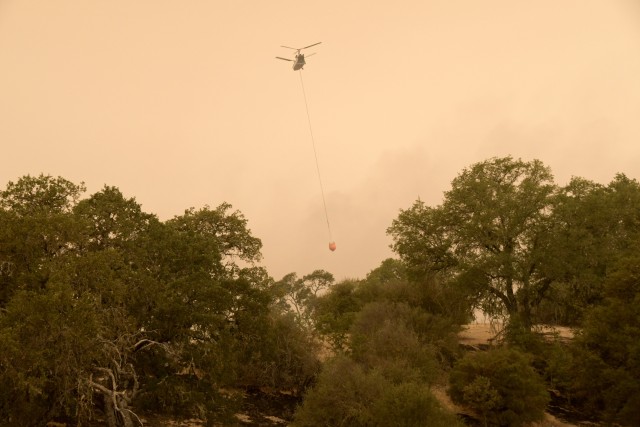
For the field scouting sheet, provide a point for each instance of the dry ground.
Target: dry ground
(486, 333)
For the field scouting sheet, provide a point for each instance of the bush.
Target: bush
(341, 396)
(410, 404)
(347, 394)
(393, 338)
(337, 309)
(281, 356)
(501, 386)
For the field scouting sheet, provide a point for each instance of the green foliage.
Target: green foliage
(104, 309)
(604, 378)
(338, 308)
(517, 335)
(410, 404)
(42, 195)
(518, 245)
(348, 394)
(390, 271)
(482, 396)
(45, 355)
(111, 220)
(395, 338)
(36, 228)
(486, 235)
(501, 386)
(300, 295)
(280, 355)
(400, 341)
(228, 230)
(335, 313)
(390, 338)
(593, 226)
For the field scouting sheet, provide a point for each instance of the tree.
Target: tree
(47, 348)
(36, 227)
(228, 231)
(337, 309)
(104, 309)
(335, 312)
(111, 220)
(593, 226)
(486, 237)
(604, 376)
(390, 270)
(43, 194)
(300, 295)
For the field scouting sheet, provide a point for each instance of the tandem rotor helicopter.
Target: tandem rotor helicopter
(298, 62)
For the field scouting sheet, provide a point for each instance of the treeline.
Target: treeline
(108, 313)
(508, 240)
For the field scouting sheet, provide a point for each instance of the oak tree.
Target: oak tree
(487, 236)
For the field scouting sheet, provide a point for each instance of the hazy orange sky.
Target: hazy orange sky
(182, 103)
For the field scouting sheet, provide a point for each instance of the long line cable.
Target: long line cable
(313, 144)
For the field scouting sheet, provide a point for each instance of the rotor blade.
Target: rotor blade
(285, 59)
(294, 48)
(311, 54)
(310, 45)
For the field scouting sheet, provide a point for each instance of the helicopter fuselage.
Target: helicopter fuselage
(299, 62)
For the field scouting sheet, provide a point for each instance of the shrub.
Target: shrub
(501, 386)
(410, 404)
(348, 394)
(341, 397)
(393, 338)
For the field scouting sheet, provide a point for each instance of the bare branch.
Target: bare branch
(110, 373)
(106, 393)
(145, 342)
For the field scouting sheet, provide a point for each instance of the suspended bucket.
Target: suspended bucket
(332, 246)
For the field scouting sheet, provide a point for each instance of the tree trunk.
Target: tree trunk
(115, 417)
(110, 412)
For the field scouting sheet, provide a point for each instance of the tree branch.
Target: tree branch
(502, 296)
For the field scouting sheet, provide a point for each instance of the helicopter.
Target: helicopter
(298, 62)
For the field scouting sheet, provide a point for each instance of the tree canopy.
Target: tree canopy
(487, 235)
(106, 311)
(514, 240)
